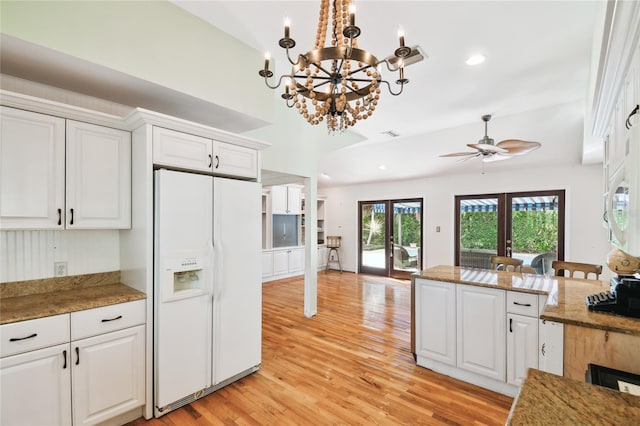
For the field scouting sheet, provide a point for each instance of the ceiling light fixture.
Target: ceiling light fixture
(341, 81)
(475, 60)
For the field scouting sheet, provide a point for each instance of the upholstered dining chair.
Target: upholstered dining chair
(505, 263)
(560, 266)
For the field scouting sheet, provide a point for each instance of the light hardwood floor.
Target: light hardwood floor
(350, 364)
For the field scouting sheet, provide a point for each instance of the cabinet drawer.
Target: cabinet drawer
(24, 336)
(107, 318)
(522, 303)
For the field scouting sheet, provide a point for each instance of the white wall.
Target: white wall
(585, 241)
(30, 255)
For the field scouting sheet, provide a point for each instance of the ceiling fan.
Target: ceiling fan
(489, 151)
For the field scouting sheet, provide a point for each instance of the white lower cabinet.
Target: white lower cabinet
(486, 336)
(107, 375)
(267, 264)
(287, 262)
(322, 257)
(522, 347)
(551, 347)
(83, 381)
(481, 330)
(437, 302)
(36, 387)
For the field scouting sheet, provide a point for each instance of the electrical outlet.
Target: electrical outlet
(60, 269)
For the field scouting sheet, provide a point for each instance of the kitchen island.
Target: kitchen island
(489, 327)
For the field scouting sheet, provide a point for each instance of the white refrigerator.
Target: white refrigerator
(207, 285)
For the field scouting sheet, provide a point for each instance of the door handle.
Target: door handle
(210, 161)
(77, 355)
(217, 161)
(59, 217)
(64, 354)
(71, 222)
(522, 304)
(510, 325)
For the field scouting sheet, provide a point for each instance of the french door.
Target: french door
(523, 225)
(390, 237)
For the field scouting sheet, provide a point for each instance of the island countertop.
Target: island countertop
(20, 301)
(565, 296)
(552, 400)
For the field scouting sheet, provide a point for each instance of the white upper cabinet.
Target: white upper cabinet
(98, 177)
(40, 190)
(182, 150)
(189, 152)
(31, 170)
(234, 160)
(286, 199)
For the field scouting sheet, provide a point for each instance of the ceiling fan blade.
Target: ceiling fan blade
(469, 157)
(495, 157)
(459, 154)
(518, 147)
(486, 147)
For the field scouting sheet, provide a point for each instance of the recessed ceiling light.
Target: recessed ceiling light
(475, 59)
(324, 175)
(382, 167)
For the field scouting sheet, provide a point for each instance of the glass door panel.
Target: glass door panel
(407, 238)
(478, 230)
(534, 233)
(373, 238)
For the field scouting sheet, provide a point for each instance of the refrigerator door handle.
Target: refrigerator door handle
(219, 283)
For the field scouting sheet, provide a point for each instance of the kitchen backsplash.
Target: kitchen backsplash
(29, 255)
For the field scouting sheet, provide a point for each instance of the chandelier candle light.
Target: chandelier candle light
(341, 81)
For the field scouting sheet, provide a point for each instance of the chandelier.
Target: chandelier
(337, 83)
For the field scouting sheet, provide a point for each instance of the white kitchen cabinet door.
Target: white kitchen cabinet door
(181, 150)
(234, 160)
(98, 170)
(435, 310)
(279, 200)
(551, 347)
(296, 260)
(481, 315)
(286, 199)
(32, 175)
(36, 388)
(108, 375)
(522, 347)
(322, 257)
(280, 262)
(294, 200)
(267, 264)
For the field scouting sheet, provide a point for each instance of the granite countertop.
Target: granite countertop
(565, 296)
(547, 399)
(25, 300)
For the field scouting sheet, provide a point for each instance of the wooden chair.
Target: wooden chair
(528, 270)
(333, 244)
(572, 267)
(508, 263)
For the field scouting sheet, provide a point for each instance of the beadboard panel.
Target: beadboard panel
(29, 255)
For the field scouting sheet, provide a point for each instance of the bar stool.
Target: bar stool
(333, 244)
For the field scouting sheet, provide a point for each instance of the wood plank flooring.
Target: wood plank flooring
(351, 364)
